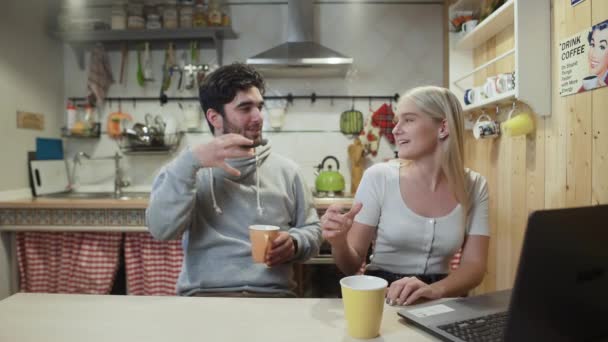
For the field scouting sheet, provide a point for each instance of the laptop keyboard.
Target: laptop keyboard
(485, 328)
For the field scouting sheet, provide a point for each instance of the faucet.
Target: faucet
(119, 182)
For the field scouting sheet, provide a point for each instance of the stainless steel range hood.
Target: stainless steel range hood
(300, 56)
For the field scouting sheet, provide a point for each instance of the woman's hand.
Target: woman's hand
(336, 225)
(408, 290)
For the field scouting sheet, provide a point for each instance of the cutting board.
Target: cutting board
(49, 176)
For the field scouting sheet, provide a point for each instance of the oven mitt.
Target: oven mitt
(383, 119)
(370, 137)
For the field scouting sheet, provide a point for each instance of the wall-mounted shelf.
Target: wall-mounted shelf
(489, 27)
(503, 98)
(531, 21)
(210, 37)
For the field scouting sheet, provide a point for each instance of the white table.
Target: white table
(53, 317)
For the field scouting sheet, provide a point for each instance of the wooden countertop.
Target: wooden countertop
(110, 203)
(29, 317)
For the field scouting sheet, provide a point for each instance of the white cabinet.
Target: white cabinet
(530, 21)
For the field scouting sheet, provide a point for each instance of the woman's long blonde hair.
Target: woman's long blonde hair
(440, 103)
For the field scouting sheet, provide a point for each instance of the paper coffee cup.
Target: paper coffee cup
(261, 237)
(363, 298)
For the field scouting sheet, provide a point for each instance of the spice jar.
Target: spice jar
(186, 12)
(199, 17)
(170, 15)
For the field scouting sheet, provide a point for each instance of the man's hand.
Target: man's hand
(336, 225)
(281, 250)
(215, 152)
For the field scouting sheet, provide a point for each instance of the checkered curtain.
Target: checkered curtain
(67, 262)
(152, 266)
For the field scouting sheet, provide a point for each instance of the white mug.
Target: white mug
(470, 96)
(490, 87)
(591, 82)
(485, 129)
(469, 25)
(505, 82)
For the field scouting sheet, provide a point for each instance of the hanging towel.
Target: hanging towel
(370, 137)
(152, 266)
(67, 262)
(383, 119)
(100, 75)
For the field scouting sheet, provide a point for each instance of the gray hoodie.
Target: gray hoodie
(214, 210)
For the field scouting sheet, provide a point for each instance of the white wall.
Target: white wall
(395, 47)
(31, 67)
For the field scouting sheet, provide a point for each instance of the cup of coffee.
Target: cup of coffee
(363, 298)
(485, 127)
(261, 237)
(591, 82)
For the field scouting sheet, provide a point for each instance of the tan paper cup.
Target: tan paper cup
(261, 237)
(363, 298)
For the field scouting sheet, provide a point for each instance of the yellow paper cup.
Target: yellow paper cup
(363, 298)
(518, 125)
(261, 237)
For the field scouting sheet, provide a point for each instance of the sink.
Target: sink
(127, 195)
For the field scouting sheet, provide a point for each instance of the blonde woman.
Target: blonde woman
(422, 210)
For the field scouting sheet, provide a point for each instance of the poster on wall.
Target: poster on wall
(583, 60)
(576, 2)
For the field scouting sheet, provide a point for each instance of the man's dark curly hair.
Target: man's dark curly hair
(220, 87)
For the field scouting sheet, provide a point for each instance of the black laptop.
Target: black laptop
(560, 292)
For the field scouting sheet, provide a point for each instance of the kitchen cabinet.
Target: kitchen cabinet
(48, 224)
(530, 25)
(209, 37)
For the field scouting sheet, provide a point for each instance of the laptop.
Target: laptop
(560, 292)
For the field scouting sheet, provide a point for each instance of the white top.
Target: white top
(38, 317)
(406, 242)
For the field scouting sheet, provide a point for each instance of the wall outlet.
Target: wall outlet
(30, 120)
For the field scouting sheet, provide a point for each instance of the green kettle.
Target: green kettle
(329, 180)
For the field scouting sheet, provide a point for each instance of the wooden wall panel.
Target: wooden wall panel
(563, 164)
(599, 156)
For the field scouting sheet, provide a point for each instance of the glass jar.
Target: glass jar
(186, 11)
(119, 18)
(153, 22)
(214, 15)
(170, 15)
(135, 16)
(199, 17)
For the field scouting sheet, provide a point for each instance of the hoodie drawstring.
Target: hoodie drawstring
(217, 208)
(257, 186)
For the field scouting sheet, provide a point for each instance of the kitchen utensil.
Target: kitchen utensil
(329, 180)
(49, 176)
(148, 76)
(351, 121)
(140, 71)
(123, 60)
(49, 149)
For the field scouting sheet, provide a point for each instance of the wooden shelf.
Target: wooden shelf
(211, 37)
(493, 24)
(500, 99)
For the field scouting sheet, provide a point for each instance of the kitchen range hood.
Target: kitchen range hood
(300, 56)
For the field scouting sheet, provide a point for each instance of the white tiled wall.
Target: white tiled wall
(395, 47)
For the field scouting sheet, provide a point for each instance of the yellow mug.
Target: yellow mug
(520, 124)
(363, 298)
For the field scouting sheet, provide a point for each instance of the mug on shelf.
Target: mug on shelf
(505, 82)
(490, 87)
(469, 26)
(470, 96)
(485, 129)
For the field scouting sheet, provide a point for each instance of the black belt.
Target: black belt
(391, 277)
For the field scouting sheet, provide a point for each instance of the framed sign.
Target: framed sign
(583, 60)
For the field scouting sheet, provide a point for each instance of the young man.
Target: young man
(213, 192)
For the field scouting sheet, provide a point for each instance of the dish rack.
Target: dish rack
(159, 144)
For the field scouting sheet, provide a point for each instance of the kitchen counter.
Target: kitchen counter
(29, 317)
